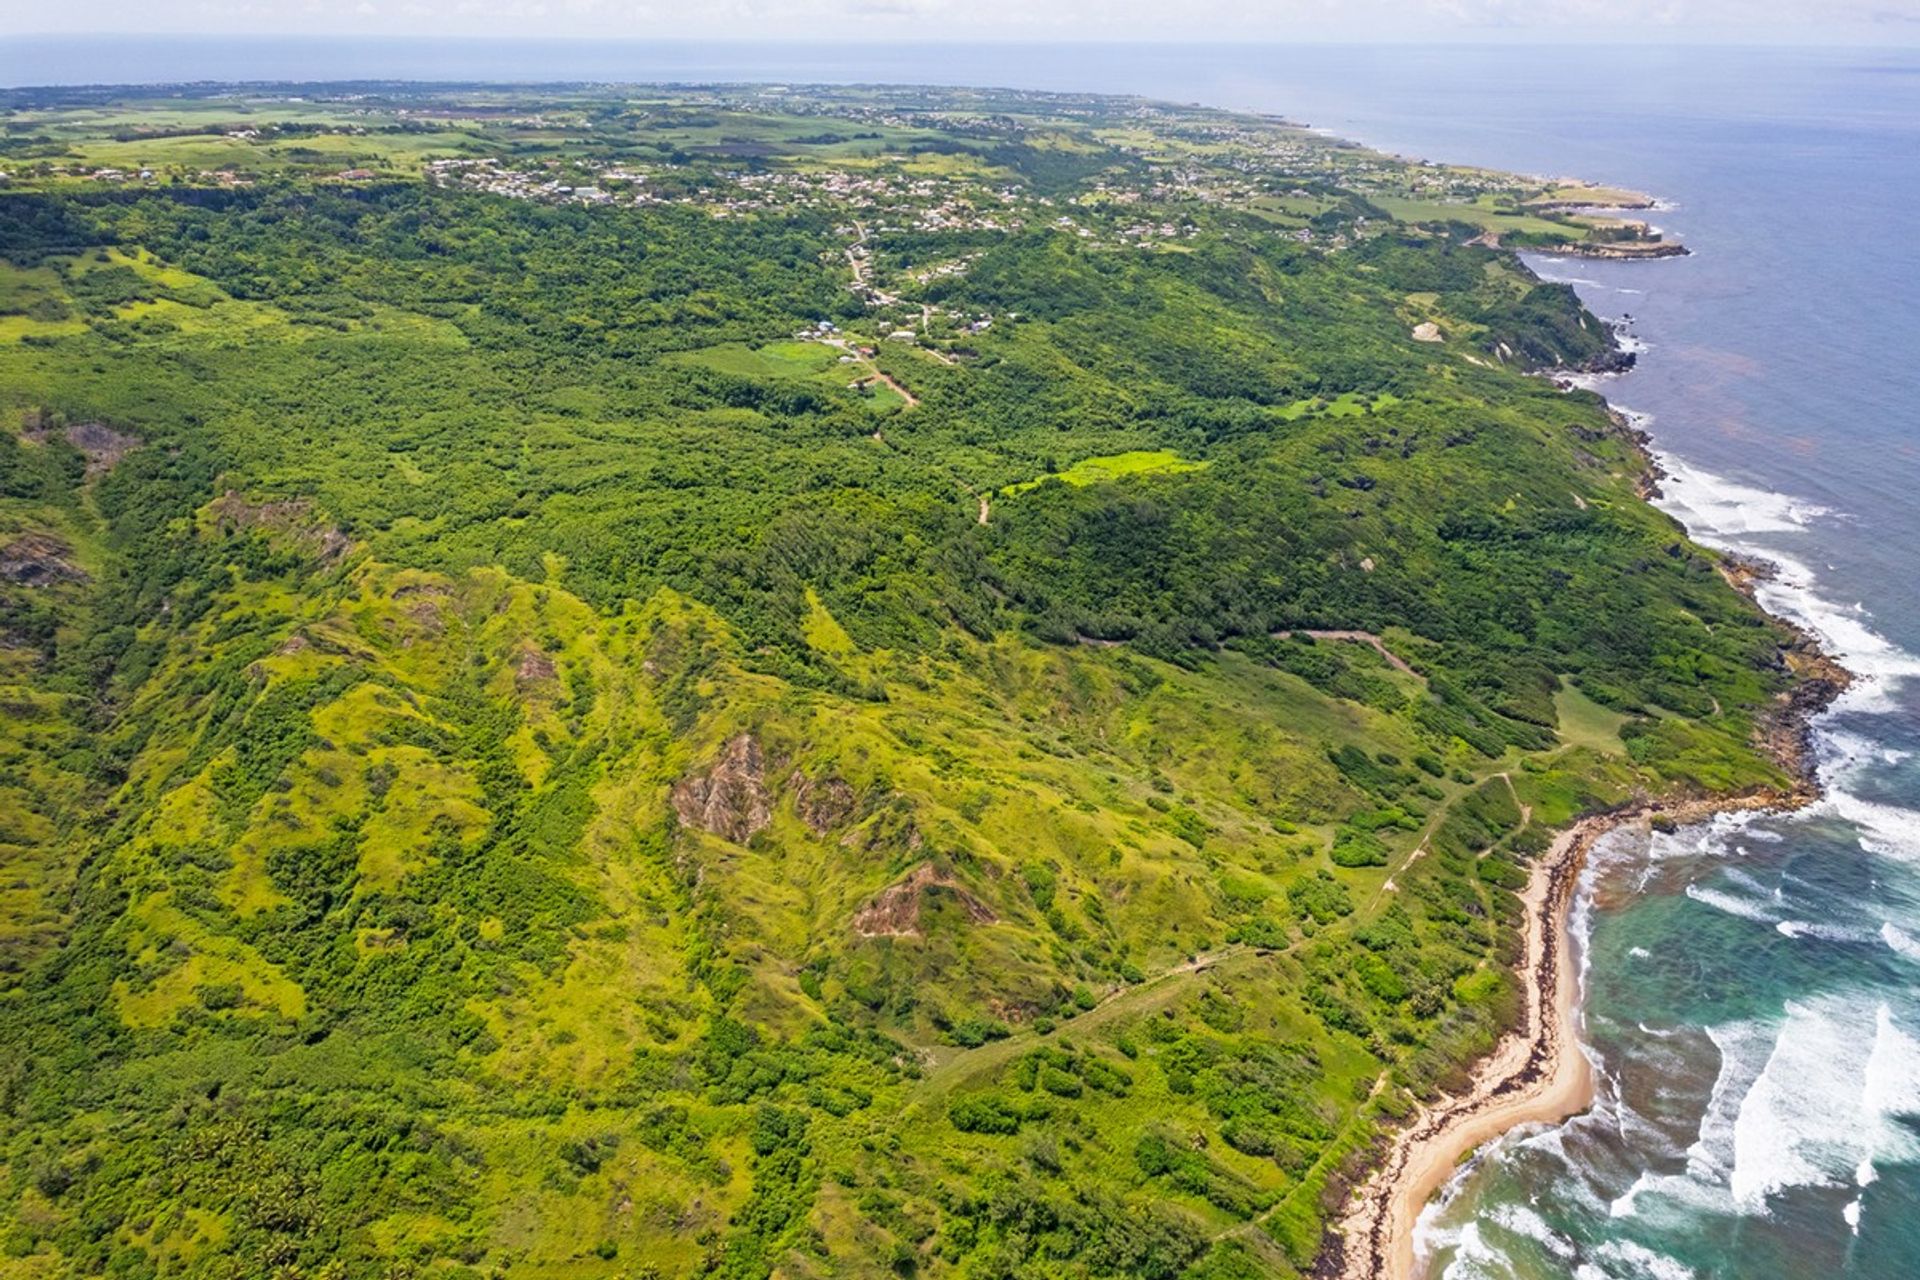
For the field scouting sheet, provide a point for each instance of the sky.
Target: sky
(1891, 22)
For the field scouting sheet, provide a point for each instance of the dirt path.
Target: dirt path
(1363, 637)
(979, 497)
(1537, 1073)
(913, 401)
(1156, 991)
(859, 265)
(1426, 833)
(1526, 810)
(871, 370)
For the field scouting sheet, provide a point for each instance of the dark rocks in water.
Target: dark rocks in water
(729, 799)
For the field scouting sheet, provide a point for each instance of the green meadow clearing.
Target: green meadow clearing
(513, 767)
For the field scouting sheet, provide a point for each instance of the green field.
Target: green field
(513, 766)
(1136, 462)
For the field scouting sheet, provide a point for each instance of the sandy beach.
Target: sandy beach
(1538, 1074)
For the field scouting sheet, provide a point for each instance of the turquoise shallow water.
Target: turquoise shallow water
(1753, 986)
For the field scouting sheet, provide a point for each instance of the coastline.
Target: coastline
(1538, 1073)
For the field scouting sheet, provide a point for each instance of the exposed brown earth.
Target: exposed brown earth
(894, 912)
(730, 798)
(39, 560)
(533, 667)
(1361, 637)
(822, 804)
(291, 517)
(101, 445)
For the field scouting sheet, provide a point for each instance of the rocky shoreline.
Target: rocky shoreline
(1537, 1073)
(1621, 251)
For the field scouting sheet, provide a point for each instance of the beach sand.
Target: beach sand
(1538, 1074)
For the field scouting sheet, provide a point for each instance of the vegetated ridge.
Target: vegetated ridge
(663, 682)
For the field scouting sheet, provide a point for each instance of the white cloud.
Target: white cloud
(970, 19)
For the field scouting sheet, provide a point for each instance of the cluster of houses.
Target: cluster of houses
(929, 204)
(488, 174)
(104, 174)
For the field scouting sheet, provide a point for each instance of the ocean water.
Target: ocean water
(1753, 984)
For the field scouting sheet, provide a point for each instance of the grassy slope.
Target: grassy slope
(347, 782)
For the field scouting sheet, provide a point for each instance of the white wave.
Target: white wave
(1713, 838)
(1733, 906)
(1899, 940)
(1825, 1108)
(1889, 1094)
(1852, 1214)
(1824, 932)
(1727, 514)
(1639, 953)
(1853, 752)
(1743, 1050)
(1718, 511)
(1523, 1221)
(1819, 1098)
(1473, 1258)
(1886, 829)
(1876, 663)
(1889, 830)
(1642, 1261)
(1624, 1206)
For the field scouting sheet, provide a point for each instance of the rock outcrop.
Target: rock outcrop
(101, 445)
(729, 799)
(894, 912)
(39, 560)
(532, 667)
(823, 803)
(292, 518)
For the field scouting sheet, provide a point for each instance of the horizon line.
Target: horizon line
(1477, 37)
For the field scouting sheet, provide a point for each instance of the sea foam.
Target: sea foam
(1901, 942)
(1824, 932)
(1728, 515)
(1637, 1260)
(1827, 1105)
(1745, 908)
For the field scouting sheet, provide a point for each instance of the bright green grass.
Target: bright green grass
(1348, 404)
(1585, 723)
(774, 360)
(1480, 213)
(393, 880)
(1115, 466)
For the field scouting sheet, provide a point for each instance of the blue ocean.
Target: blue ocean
(1752, 985)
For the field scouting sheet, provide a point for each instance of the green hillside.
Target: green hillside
(760, 720)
